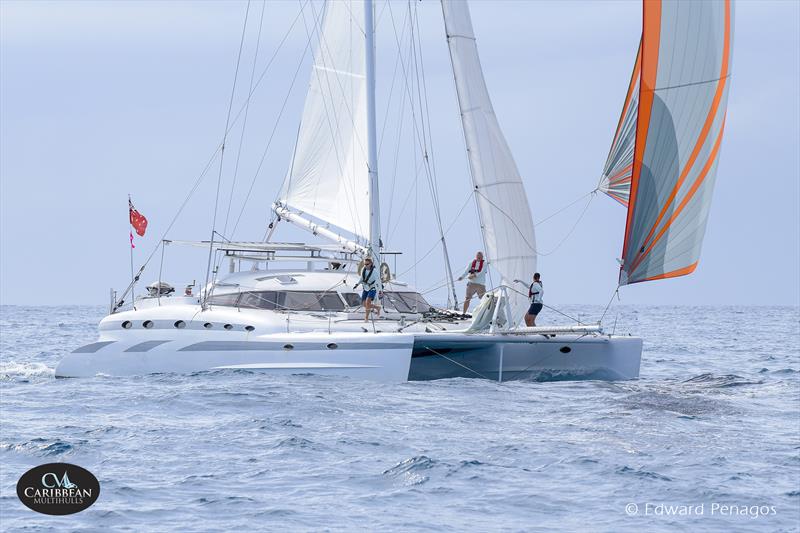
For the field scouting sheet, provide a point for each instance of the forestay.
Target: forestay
(328, 176)
(684, 82)
(505, 216)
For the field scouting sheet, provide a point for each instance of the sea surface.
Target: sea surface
(713, 423)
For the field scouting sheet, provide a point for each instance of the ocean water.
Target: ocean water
(713, 423)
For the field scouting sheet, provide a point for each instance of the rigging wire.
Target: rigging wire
(469, 196)
(244, 120)
(446, 231)
(418, 166)
(561, 210)
(616, 293)
(456, 362)
(222, 151)
(391, 89)
(578, 320)
(572, 229)
(212, 158)
(422, 92)
(423, 136)
(272, 133)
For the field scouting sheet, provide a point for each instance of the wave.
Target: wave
(410, 470)
(24, 372)
(642, 473)
(44, 447)
(709, 380)
(688, 405)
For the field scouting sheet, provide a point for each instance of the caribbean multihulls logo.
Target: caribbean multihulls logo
(58, 488)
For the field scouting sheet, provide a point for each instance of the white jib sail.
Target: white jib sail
(328, 178)
(505, 215)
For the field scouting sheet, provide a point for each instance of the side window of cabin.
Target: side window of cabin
(416, 302)
(224, 299)
(397, 302)
(299, 301)
(259, 300)
(331, 302)
(352, 299)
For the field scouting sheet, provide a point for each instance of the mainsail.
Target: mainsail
(505, 216)
(328, 178)
(683, 90)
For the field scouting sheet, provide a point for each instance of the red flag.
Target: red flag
(138, 221)
(132, 245)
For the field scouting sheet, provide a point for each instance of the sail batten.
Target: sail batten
(683, 85)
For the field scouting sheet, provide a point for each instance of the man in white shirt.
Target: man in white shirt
(476, 279)
(536, 295)
(370, 279)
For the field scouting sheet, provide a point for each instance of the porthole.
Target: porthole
(332, 345)
(208, 325)
(228, 327)
(565, 349)
(127, 324)
(147, 324)
(288, 346)
(249, 328)
(180, 324)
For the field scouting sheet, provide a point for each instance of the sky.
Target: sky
(99, 100)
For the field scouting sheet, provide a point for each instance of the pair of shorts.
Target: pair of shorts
(475, 288)
(535, 309)
(371, 294)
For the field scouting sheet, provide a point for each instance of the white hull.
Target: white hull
(383, 357)
(176, 335)
(526, 357)
(354, 349)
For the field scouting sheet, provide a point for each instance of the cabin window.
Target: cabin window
(310, 301)
(224, 299)
(352, 299)
(259, 300)
(408, 302)
(279, 300)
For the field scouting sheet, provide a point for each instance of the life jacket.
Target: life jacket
(474, 263)
(365, 275)
(530, 289)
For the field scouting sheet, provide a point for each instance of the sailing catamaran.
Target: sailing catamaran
(282, 319)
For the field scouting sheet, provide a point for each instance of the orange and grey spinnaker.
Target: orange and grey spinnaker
(684, 69)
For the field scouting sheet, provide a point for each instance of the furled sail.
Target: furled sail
(616, 179)
(328, 177)
(505, 216)
(684, 82)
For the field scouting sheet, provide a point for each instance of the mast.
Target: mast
(372, 144)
